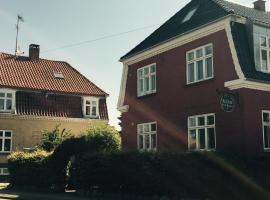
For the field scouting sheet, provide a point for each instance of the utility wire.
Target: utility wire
(97, 39)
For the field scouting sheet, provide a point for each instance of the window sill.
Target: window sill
(88, 117)
(200, 82)
(147, 95)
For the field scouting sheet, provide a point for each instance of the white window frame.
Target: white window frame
(91, 99)
(13, 100)
(146, 134)
(2, 173)
(3, 138)
(195, 60)
(265, 124)
(197, 128)
(143, 78)
(267, 49)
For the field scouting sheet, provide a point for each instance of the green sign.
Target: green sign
(227, 102)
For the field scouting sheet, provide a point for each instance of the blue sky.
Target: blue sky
(57, 23)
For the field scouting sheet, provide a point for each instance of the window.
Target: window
(265, 53)
(146, 80)
(91, 107)
(266, 129)
(147, 136)
(58, 75)
(7, 100)
(4, 172)
(189, 15)
(201, 132)
(5, 141)
(200, 64)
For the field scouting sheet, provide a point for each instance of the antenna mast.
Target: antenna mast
(19, 18)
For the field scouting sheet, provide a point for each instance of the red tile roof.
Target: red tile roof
(21, 72)
(53, 105)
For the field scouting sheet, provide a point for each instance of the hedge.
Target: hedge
(190, 175)
(30, 169)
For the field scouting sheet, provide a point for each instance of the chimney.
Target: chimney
(34, 52)
(259, 5)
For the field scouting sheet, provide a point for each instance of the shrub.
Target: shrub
(198, 176)
(52, 138)
(30, 169)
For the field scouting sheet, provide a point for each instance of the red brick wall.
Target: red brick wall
(175, 101)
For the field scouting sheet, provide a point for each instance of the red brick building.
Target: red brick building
(200, 82)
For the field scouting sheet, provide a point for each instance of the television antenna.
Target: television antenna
(17, 47)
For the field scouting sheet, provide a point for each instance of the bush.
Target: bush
(30, 169)
(199, 176)
(52, 138)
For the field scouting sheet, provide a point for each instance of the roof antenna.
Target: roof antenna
(17, 47)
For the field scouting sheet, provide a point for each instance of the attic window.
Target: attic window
(58, 75)
(189, 15)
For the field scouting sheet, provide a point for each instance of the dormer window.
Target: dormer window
(58, 75)
(90, 107)
(189, 15)
(7, 100)
(265, 53)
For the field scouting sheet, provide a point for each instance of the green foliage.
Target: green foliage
(30, 169)
(191, 175)
(52, 138)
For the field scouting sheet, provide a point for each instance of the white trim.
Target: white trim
(267, 49)
(3, 138)
(236, 63)
(47, 118)
(123, 109)
(242, 83)
(122, 92)
(149, 76)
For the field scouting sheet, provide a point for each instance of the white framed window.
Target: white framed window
(201, 132)
(199, 66)
(7, 100)
(265, 53)
(91, 107)
(266, 129)
(4, 172)
(5, 141)
(147, 136)
(146, 80)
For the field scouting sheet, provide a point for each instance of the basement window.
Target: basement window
(58, 75)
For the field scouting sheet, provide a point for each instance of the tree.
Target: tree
(52, 138)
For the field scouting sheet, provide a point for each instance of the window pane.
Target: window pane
(266, 117)
(208, 50)
(209, 67)
(5, 171)
(146, 84)
(8, 134)
(191, 72)
(154, 140)
(153, 68)
(201, 121)
(264, 59)
(263, 41)
(2, 94)
(202, 138)
(199, 70)
(211, 138)
(140, 73)
(266, 136)
(2, 101)
(1, 143)
(146, 128)
(153, 82)
(8, 104)
(153, 127)
(147, 141)
(94, 111)
(88, 102)
(199, 53)
(87, 110)
(94, 103)
(140, 128)
(141, 85)
(192, 139)
(210, 120)
(9, 95)
(146, 70)
(1, 133)
(190, 56)
(7, 145)
(140, 141)
(192, 122)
